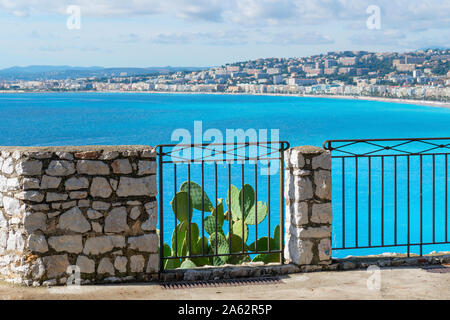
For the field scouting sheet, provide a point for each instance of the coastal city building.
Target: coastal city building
(423, 74)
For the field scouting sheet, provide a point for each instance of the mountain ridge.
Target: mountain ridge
(44, 72)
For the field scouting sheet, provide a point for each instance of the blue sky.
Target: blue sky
(140, 33)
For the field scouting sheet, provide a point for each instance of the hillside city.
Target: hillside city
(422, 74)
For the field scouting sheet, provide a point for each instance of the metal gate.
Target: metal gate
(237, 223)
(390, 193)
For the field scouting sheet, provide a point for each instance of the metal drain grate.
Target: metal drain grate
(221, 283)
(438, 269)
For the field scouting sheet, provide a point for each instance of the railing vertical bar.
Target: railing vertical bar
(230, 217)
(203, 207)
(215, 201)
(434, 198)
(395, 200)
(356, 201)
(256, 207)
(421, 203)
(161, 207)
(408, 205)
(343, 202)
(268, 204)
(189, 209)
(370, 201)
(242, 204)
(282, 148)
(446, 198)
(382, 201)
(176, 206)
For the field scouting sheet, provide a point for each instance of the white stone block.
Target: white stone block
(321, 213)
(37, 243)
(322, 180)
(92, 167)
(100, 188)
(73, 220)
(29, 168)
(116, 220)
(60, 168)
(137, 187)
(67, 243)
(322, 161)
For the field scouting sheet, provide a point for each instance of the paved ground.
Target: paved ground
(398, 283)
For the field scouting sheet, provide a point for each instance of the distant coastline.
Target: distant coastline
(428, 103)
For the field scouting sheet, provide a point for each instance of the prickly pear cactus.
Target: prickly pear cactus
(196, 196)
(263, 245)
(181, 206)
(219, 245)
(240, 229)
(217, 217)
(245, 198)
(241, 213)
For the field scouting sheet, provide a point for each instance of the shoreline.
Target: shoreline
(427, 103)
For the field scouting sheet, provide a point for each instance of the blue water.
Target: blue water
(124, 119)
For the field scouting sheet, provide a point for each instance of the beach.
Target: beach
(429, 103)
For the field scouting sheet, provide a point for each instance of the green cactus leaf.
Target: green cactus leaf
(188, 264)
(219, 212)
(199, 247)
(240, 259)
(210, 225)
(219, 242)
(237, 229)
(172, 264)
(178, 242)
(210, 221)
(267, 258)
(184, 227)
(236, 244)
(182, 206)
(183, 238)
(202, 261)
(196, 196)
(276, 236)
(233, 192)
(246, 198)
(236, 247)
(261, 212)
(167, 251)
(263, 245)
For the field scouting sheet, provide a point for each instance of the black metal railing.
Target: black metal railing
(390, 193)
(213, 168)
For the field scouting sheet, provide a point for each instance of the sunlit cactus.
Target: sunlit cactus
(228, 246)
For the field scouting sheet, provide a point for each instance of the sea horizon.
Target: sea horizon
(420, 102)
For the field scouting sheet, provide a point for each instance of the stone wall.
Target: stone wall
(308, 206)
(94, 207)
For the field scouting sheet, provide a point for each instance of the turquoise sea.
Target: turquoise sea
(49, 119)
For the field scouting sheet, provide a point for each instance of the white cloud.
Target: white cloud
(244, 12)
(298, 39)
(236, 37)
(207, 38)
(379, 37)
